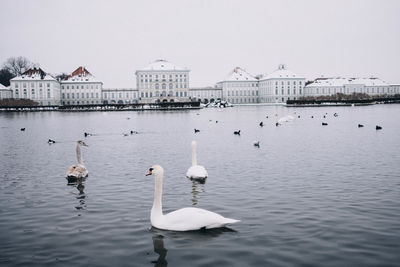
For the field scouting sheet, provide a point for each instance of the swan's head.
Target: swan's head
(193, 143)
(155, 169)
(81, 143)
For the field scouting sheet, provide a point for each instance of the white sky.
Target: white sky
(352, 38)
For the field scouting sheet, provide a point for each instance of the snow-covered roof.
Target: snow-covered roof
(2, 87)
(81, 74)
(163, 65)
(34, 74)
(281, 73)
(340, 81)
(239, 74)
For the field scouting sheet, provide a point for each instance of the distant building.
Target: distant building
(5, 92)
(162, 81)
(205, 94)
(330, 86)
(239, 87)
(37, 85)
(81, 88)
(280, 86)
(120, 96)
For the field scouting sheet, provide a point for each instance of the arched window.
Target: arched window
(157, 86)
(157, 93)
(170, 86)
(164, 86)
(164, 93)
(170, 93)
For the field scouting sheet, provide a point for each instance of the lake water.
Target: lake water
(311, 195)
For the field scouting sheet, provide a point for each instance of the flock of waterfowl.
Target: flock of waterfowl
(184, 219)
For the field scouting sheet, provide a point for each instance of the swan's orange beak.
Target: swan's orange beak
(149, 173)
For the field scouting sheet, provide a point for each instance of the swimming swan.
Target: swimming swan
(196, 171)
(78, 170)
(186, 219)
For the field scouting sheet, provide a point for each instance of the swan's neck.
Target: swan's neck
(194, 158)
(78, 154)
(157, 204)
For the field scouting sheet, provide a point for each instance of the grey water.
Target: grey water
(310, 195)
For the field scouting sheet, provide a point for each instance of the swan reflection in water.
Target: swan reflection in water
(189, 238)
(80, 195)
(197, 188)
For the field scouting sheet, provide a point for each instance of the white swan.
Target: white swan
(196, 171)
(185, 219)
(287, 118)
(78, 170)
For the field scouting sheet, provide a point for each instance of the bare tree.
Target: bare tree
(17, 65)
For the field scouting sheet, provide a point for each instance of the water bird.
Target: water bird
(22, 129)
(125, 134)
(266, 117)
(236, 132)
(50, 141)
(277, 124)
(298, 116)
(360, 125)
(324, 124)
(216, 121)
(377, 127)
(78, 170)
(324, 116)
(312, 117)
(261, 124)
(287, 118)
(257, 144)
(134, 132)
(196, 171)
(185, 219)
(196, 130)
(335, 114)
(87, 134)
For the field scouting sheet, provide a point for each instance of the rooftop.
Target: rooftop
(34, 74)
(280, 73)
(239, 74)
(340, 81)
(81, 74)
(162, 64)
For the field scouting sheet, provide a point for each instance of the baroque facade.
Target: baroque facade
(81, 88)
(330, 86)
(162, 81)
(279, 86)
(37, 85)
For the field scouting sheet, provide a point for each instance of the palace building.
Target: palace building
(81, 88)
(239, 87)
(37, 85)
(280, 85)
(330, 86)
(162, 81)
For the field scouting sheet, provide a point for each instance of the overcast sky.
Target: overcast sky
(113, 39)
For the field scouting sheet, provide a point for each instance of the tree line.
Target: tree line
(16, 66)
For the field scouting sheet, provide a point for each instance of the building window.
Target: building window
(157, 86)
(164, 86)
(170, 86)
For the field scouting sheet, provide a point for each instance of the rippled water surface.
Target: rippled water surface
(311, 195)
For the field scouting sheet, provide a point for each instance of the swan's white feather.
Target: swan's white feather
(188, 219)
(196, 172)
(77, 171)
